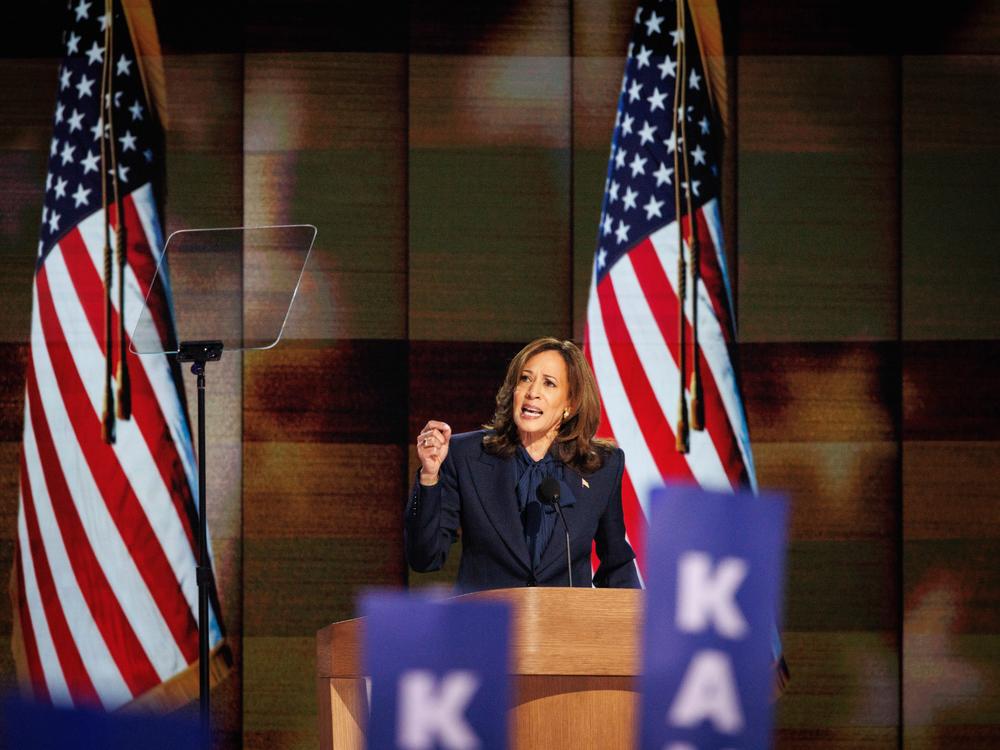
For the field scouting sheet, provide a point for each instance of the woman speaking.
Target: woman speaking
(501, 484)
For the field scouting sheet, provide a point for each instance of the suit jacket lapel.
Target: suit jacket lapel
(494, 483)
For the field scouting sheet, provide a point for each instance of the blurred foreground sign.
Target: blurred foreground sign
(34, 726)
(439, 672)
(715, 578)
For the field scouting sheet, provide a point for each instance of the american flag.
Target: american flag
(669, 393)
(104, 594)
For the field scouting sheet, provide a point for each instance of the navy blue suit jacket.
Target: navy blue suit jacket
(475, 491)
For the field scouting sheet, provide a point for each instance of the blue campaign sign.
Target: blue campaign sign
(439, 672)
(714, 581)
(34, 726)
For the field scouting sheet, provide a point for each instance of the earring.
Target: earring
(565, 414)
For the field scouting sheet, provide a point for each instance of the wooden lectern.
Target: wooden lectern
(575, 664)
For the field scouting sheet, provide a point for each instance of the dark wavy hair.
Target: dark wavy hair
(575, 443)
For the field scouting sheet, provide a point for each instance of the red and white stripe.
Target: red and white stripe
(632, 343)
(106, 547)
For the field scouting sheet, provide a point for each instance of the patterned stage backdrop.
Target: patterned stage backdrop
(452, 156)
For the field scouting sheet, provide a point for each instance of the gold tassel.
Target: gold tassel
(697, 402)
(124, 390)
(682, 412)
(697, 397)
(682, 428)
(122, 377)
(108, 417)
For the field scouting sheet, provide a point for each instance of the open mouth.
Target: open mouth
(530, 412)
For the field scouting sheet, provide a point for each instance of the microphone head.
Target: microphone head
(548, 490)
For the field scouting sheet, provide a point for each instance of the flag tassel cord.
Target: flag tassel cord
(124, 400)
(120, 376)
(108, 416)
(123, 383)
(681, 432)
(696, 408)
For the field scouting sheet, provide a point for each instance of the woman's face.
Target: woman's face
(542, 394)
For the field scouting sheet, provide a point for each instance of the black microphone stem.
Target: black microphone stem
(569, 559)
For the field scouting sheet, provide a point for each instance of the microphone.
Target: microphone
(548, 492)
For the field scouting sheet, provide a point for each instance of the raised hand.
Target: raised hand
(432, 447)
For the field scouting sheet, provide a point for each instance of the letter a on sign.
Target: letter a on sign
(714, 573)
(708, 691)
(439, 672)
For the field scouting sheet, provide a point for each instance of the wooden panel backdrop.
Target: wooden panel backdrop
(452, 157)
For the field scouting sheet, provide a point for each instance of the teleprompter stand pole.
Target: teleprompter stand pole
(198, 353)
